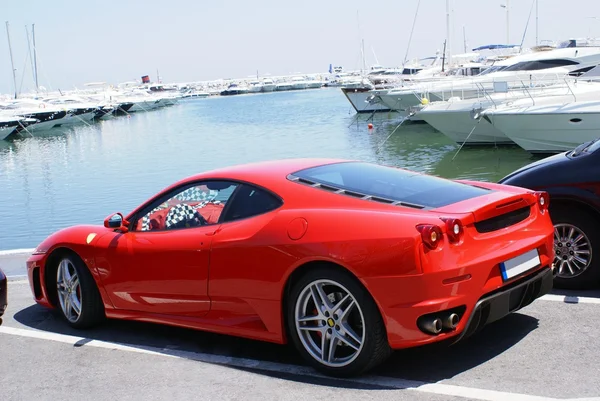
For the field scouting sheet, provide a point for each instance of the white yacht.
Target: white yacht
(255, 86)
(268, 85)
(551, 124)
(167, 95)
(140, 100)
(313, 83)
(459, 119)
(11, 124)
(298, 83)
(46, 115)
(283, 86)
(531, 69)
(364, 95)
(235, 89)
(79, 110)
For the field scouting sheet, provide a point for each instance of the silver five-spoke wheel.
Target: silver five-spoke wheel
(330, 323)
(69, 290)
(573, 251)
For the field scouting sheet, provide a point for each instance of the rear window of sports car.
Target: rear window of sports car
(387, 184)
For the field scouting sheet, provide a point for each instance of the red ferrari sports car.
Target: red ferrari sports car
(347, 260)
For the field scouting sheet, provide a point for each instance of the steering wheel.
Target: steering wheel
(184, 216)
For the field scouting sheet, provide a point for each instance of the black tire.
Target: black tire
(588, 225)
(375, 348)
(92, 309)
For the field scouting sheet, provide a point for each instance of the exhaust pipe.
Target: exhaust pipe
(451, 321)
(432, 326)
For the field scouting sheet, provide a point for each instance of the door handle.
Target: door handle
(214, 232)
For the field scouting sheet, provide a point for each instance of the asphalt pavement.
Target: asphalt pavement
(547, 351)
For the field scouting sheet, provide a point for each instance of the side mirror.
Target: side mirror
(116, 221)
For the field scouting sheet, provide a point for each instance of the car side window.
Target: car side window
(250, 201)
(194, 205)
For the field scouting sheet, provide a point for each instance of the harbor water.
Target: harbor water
(80, 175)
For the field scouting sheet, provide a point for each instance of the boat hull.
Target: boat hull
(461, 127)
(548, 133)
(359, 99)
(7, 128)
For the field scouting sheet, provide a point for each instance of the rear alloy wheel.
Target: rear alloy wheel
(78, 296)
(335, 324)
(576, 253)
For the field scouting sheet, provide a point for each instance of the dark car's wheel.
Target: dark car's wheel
(335, 324)
(576, 248)
(78, 296)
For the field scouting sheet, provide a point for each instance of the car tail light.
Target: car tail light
(454, 229)
(543, 200)
(431, 235)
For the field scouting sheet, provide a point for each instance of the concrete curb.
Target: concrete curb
(22, 251)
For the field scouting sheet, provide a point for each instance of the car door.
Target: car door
(161, 265)
(243, 256)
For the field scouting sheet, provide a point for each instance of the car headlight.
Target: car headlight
(39, 251)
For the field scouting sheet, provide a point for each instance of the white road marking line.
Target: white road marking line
(17, 251)
(396, 383)
(570, 299)
(74, 340)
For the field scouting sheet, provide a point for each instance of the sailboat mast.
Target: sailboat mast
(30, 55)
(507, 22)
(362, 50)
(537, 2)
(448, 39)
(11, 59)
(35, 58)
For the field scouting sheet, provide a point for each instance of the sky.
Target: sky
(192, 40)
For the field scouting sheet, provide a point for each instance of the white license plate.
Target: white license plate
(515, 266)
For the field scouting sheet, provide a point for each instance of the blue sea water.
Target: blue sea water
(80, 175)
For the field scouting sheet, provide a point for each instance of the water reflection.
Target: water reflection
(420, 147)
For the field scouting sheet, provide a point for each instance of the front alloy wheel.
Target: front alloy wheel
(69, 290)
(78, 296)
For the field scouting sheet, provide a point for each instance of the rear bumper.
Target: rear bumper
(407, 303)
(498, 304)
(3, 293)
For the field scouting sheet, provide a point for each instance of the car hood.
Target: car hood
(547, 161)
(75, 235)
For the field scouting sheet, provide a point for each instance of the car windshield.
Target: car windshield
(587, 147)
(391, 183)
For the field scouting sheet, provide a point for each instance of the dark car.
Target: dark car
(3, 292)
(573, 181)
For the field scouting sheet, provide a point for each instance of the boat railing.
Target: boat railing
(486, 94)
(571, 90)
(529, 94)
(482, 90)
